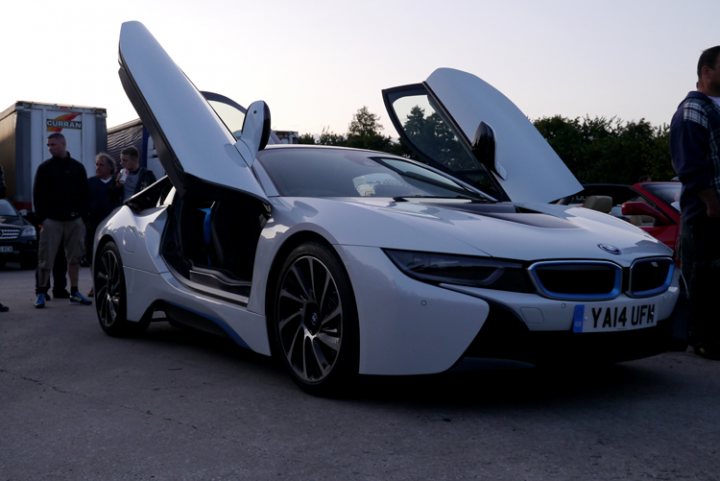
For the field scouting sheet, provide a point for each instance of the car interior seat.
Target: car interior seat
(641, 220)
(602, 203)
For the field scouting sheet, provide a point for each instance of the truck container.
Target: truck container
(24, 129)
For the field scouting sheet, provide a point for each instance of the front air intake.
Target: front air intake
(577, 280)
(649, 277)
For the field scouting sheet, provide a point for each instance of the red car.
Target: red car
(652, 206)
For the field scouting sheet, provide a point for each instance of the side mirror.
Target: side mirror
(256, 126)
(483, 148)
(637, 210)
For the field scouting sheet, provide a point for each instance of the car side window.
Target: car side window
(232, 116)
(434, 138)
(426, 128)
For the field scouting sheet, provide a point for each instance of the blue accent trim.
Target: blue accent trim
(206, 225)
(218, 322)
(578, 316)
(231, 333)
(616, 290)
(658, 290)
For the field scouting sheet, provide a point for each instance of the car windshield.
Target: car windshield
(667, 191)
(319, 172)
(6, 209)
(425, 127)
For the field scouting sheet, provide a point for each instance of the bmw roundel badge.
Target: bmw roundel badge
(609, 248)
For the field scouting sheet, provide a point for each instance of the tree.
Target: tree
(306, 139)
(364, 131)
(594, 149)
(609, 150)
(331, 138)
(364, 123)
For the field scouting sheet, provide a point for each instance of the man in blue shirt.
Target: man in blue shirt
(695, 152)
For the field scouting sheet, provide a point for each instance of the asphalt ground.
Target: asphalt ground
(76, 404)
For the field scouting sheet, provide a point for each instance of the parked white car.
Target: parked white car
(343, 262)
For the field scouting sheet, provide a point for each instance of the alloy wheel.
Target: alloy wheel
(310, 318)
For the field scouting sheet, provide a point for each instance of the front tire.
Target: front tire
(314, 320)
(110, 294)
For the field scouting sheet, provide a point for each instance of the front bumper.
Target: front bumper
(505, 336)
(411, 327)
(20, 250)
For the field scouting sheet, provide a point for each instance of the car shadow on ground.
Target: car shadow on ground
(474, 382)
(488, 383)
(176, 336)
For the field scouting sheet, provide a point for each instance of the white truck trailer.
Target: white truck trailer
(24, 129)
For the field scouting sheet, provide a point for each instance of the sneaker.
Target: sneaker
(77, 298)
(64, 294)
(40, 301)
(4, 308)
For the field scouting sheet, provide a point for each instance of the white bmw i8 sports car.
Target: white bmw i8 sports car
(343, 262)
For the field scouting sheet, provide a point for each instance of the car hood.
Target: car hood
(13, 221)
(502, 230)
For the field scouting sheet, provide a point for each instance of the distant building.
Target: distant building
(287, 136)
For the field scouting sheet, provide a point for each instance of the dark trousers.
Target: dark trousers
(59, 273)
(700, 257)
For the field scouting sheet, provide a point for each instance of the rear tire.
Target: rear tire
(314, 321)
(110, 294)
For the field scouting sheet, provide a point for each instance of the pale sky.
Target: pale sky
(316, 62)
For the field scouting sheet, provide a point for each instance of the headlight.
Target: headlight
(28, 231)
(437, 268)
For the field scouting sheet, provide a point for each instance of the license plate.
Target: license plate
(6, 249)
(614, 317)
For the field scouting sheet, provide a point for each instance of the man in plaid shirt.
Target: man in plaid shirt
(695, 151)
